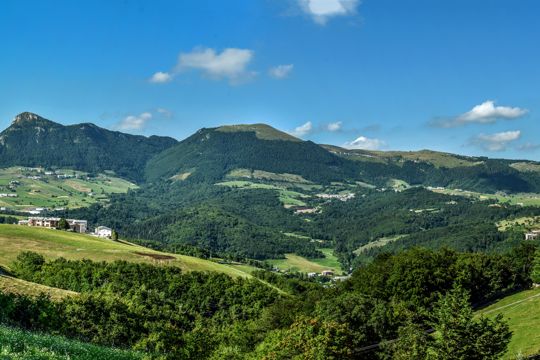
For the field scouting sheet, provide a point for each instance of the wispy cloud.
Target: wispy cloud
(160, 77)
(308, 128)
(165, 112)
(303, 129)
(281, 71)
(496, 142)
(134, 122)
(322, 10)
(139, 122)
(334, 127)
(528, 147)
(365, 143)
(230, 64)
(485, 113)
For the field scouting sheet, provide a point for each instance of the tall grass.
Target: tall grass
(18, 344)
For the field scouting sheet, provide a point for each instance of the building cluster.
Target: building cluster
(342, 197)
(10, 195)
(75, 225)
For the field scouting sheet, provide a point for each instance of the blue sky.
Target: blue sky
(459, 76)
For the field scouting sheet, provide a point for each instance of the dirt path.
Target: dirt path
(511, 304)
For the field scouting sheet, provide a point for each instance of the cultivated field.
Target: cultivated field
(36, 189)
(523, 199)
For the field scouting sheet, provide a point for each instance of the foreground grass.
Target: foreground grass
(18, 344)
(521, 312)
(53, 244)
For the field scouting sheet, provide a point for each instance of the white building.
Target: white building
(103, 232)
(532, 235)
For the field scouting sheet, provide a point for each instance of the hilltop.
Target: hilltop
(34, 141)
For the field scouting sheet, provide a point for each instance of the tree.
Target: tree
(63, 224)
(412, 344)
(459, 336)
(114, 235)
(535, 273)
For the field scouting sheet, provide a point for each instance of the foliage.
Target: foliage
(460, 336)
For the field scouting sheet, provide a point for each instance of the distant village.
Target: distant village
(75, 225)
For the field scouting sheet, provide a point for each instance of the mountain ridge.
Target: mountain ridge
(32, 140)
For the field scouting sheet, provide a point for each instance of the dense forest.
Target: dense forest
(170, 314)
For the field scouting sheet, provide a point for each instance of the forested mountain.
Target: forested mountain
(34, 141)
(209, 154)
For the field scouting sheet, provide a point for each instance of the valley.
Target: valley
(236, 223)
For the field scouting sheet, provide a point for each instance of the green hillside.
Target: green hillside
(37, 187)
(12, 285)
(19, 344)
(210, 154)
(34, 141)
(521, 312)
(53, 244)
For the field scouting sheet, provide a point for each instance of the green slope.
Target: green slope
(19, 344)
(53, 244)
(521, 312)
(36, 189)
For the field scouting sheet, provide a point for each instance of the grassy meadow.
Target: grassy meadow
(523, 199)
(521, 312)
(298, 263)
(49, 191)
(54, 243)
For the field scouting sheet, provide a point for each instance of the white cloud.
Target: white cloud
(484, 113)
(281, 71)
(303, 130)
(333, 127)
(322, 10)
(498, 141)
(231, 63)
(160, 77)
(134, 122)
(364, 143)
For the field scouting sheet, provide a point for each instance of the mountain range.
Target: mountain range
(209, 154)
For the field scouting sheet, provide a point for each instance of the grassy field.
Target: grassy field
(294, 262)
(523, 199)
(54, 243)
(49, 191)
(377, 243)
(521, 312)
(287, 197)
(18, 344)
(13, 285)
(526, 223)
